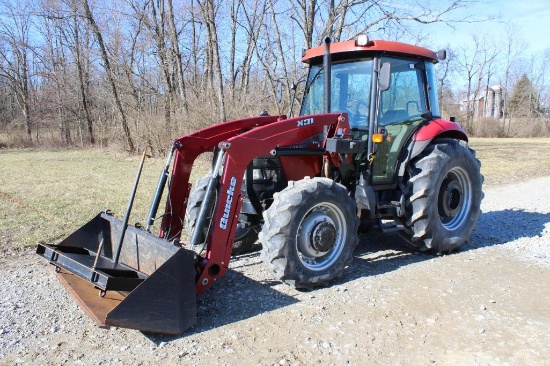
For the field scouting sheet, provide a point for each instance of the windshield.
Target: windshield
(350, 84)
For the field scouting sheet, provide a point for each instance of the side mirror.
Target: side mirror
(279, 91)
(384, 76)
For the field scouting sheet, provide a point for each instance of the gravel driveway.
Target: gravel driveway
(488, 304)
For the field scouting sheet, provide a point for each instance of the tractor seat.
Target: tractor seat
(394, 115)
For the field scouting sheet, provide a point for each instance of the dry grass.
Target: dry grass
(505, 161)
(44, 195)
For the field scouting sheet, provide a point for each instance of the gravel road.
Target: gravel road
(488, 304)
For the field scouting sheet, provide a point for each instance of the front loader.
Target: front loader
(368, 149)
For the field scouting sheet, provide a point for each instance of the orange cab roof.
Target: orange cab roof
(372, 46)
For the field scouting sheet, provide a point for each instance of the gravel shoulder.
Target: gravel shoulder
(488, 304)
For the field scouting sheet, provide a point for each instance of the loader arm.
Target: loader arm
(239, 147)
(188, 148)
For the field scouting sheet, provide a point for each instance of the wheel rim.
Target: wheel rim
(321, 236)
(242, 232)
(455, 198)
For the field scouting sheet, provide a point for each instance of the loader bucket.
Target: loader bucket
(150, 288)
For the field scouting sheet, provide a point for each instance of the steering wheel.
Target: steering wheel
(357, 119)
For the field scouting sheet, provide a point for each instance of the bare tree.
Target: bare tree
(278, 51)
(305, 13)
(195, 30)
(14, 34)
(234, 11)
(340, 19)
(254, 19)
(89, 16)
(80, 66)
(175, 50)
(208, 10)
(54, 61)
(446, 71)
(161, 59)
(477, 65)
(158, 29)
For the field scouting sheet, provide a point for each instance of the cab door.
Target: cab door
(399, 114)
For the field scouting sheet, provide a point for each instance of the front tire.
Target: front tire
(245, 237)
(309, 233)
(444, 197)
(194, 203)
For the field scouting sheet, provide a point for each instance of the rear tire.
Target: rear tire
(244, 237)
(309, 233)
(444, 197)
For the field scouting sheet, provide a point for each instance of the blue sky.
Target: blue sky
(532, 17)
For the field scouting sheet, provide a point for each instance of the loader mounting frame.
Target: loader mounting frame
(239, 142)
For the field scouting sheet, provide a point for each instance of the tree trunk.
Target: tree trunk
(81, 84)
(25, 96)
(160, 38)
(255, 20)
(282, 56)
(194, 46)
(177, 56)
(232, 45)
(209, 16)
(110, 75)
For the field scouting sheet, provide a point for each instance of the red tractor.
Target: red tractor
(368, 149)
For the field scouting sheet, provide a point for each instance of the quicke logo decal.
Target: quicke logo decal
(227, 209)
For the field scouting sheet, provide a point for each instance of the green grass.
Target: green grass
(46, 195)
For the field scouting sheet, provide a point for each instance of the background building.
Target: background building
(489, 104)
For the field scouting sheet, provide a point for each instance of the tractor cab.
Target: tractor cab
(393, 103)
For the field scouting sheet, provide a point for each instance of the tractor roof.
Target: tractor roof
(351, 49)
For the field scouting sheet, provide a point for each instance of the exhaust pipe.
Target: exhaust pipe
(327, 64)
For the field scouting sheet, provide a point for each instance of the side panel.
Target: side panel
(298, 167)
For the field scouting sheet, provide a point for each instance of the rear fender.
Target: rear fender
(440, 128)
(436, 128)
